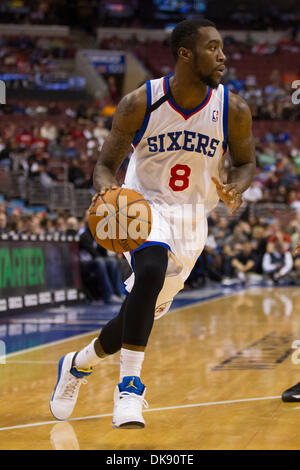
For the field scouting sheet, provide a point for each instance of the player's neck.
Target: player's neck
(186, 92)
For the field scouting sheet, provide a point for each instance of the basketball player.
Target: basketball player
(179, 127)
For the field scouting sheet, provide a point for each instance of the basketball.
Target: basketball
(120, 220)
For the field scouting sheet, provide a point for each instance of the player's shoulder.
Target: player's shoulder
(238, 108)
(131, 110)
(239, 117)
(134, 102)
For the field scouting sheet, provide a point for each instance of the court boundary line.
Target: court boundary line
(218, 296)
(166, 408)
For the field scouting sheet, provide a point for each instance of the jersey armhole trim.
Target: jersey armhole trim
(225, 118)
(139, 134)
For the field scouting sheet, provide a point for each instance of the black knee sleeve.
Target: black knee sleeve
(111, 335)
(134, 323)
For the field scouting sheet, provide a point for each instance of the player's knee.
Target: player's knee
(151, 273)
(151, 268)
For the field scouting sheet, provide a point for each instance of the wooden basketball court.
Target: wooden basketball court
(214, 372)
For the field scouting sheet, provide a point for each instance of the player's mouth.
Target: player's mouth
(220, 70)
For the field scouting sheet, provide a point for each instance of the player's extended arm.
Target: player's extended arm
(241, 144)
(242, 151)
(128, 119)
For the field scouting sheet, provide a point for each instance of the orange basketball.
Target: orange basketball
(120, 220)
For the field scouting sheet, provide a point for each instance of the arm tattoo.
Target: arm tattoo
(116, 147)
(127, 105)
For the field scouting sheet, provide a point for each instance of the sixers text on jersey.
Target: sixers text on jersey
(186, 140)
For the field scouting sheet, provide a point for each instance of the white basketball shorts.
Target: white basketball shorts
(185, 238)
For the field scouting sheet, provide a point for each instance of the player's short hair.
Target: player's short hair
(183, 35)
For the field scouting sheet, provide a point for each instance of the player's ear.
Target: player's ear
(185, 54)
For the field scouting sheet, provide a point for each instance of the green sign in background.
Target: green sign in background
(28, 267)
(21, 267)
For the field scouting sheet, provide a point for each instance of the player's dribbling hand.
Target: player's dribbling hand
(101, 192)
(228, 194)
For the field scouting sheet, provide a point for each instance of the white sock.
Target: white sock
(130, 363)
(87, 357)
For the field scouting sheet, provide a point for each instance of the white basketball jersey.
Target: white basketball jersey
(176, 152)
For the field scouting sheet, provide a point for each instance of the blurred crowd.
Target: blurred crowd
(272, 101)
(71, 134)
(236, 13)
(34, 53)
(266, 86)
(74, 134)
(264, 74)
(33, 62)
(29, 12)
(249, 249)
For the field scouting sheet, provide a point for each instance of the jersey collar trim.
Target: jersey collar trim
(183, 112)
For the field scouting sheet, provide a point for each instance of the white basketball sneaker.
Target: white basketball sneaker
(64, 396)
(128, 404)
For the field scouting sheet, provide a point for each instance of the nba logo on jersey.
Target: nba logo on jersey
(215, 115)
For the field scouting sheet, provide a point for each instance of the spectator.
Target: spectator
(70, 149)
(280, 238)
(296, 205)
(266, 156)
(292, 198)
(273, 181)
(259, 245)
(294, 232)
(100, 129)
(55, 148)
(232, 81)
(47, 226)
(238, 236)
(244, 262)
(253, 95)
(31, 225)
(60, 224)
(254, 193)
(72, 226)
(15, 222)
(3, 223)
(278, 136)
(228, 271)
(48, 131)
(93, 147)
(290, 178)
(210, 264)
(220, 224)
(277, 262)
(6, 154)
(77, 176)
(279, 194)
(37, 165)
(295, 274)
(220, 231)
